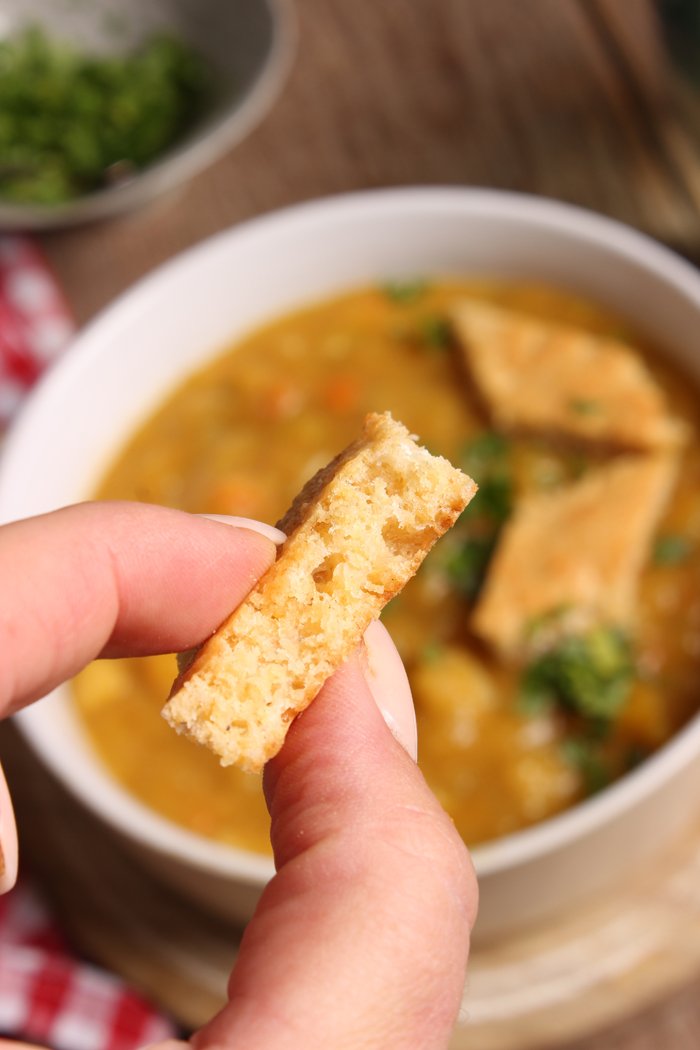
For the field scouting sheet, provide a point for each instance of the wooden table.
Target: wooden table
(567, 98)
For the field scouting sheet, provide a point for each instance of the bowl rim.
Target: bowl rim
(185, 159)
(512, 850)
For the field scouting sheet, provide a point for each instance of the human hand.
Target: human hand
(361, 938)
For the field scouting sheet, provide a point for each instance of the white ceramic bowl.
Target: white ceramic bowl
(123, 365)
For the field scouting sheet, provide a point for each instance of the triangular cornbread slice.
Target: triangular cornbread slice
(539, 377)
(577, 552)
(355, 534)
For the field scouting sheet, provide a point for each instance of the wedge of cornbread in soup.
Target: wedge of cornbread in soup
(356, 534)
(577, 552)
(537, 376)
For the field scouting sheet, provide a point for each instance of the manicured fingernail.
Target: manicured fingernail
(276, 535)
(8, 839)
(388, 682)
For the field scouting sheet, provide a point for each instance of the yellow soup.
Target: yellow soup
(244, 434)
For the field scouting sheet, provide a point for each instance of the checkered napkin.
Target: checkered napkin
(35, 322)
(47, 995)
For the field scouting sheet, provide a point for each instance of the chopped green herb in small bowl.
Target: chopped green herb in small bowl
(72, 123)
(104, 106)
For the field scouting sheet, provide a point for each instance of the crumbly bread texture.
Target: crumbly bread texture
(540, 377)
(355, 534)
(577, 552)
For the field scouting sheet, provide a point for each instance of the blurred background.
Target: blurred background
(594, 102)
(583, 101)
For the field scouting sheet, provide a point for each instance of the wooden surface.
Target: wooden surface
(570, 99)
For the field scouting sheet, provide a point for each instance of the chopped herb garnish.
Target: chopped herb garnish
(405, 291)
(478, 528)
(671, 549)
(485, 452)
(585, 407)
(486, 459)
(586, 675)
(584, 755)
(494, 501)
(466, 567)
(435, 332)
(72, 123)
(535, 697)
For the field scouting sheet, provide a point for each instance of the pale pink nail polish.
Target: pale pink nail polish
(388, 682)
(8, 839)
(261, 527)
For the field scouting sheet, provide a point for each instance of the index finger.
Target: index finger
(114, 579)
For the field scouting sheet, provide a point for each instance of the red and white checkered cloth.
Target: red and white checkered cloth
(46, 994)
(35, 322)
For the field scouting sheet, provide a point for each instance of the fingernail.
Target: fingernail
(8, 839)
(276, 535)
(388, 683)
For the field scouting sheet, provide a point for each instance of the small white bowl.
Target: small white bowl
(131, 357)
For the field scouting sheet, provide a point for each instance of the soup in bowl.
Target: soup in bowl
(220, 384)
(244, 434)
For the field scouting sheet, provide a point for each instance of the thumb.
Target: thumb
(361, 938)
